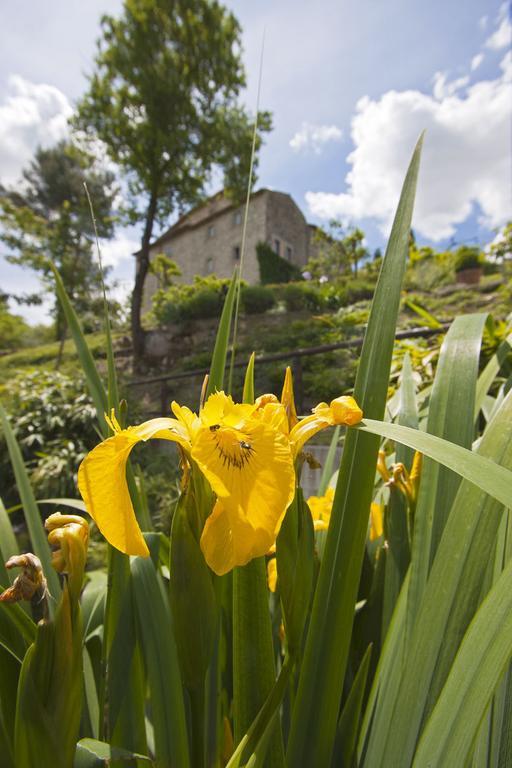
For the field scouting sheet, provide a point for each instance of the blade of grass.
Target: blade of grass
(91, 753)
(490, 372)
(248, 393)
(479, 470)
(453, 395)
(220, 350)
(8, 544)
(398, 553)
(328, 468)
(385, 681)
(348, 724)
(94, 383)
(318, 698)
(263, 721)
(253, 652)
(484, 652)
(160, 655)
(35, 526)
(453, 588)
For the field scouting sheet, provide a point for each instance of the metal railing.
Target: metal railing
(294, 357)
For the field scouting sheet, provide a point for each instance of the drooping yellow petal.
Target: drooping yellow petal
(102, 482)
(251, 471)
(342, 410)
(376, 520)
(229, 539)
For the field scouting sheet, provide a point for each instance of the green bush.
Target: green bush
(54, 422)
(257, 299)
(181, 303)
(467, 257)
(274, 269)
(301, 296)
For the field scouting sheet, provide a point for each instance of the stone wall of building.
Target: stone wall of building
(287, 231)
(214, 246)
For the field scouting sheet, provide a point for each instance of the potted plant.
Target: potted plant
(468, 265)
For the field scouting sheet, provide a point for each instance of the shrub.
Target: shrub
(54, 422)
(257, 299)
(301, 296)
(274, 269)
(181, 303)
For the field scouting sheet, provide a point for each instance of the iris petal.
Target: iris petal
(102, 482)
(229, 539)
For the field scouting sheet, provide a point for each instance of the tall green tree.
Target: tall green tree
(164, 100)
(48, 217)
(336, 251)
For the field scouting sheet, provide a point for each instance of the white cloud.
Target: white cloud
(482, 22)
(476, 61)
(466, 160)
(502, 37)
(116, 250)
(443, 88)
(31, 115)
(314, 137)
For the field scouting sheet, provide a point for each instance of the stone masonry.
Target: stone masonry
(208, 239)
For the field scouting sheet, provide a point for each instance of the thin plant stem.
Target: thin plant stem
(244, 228)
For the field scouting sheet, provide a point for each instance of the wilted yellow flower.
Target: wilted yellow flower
(30, 583)
(245, 452)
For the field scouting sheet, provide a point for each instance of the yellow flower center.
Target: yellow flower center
(232, 446)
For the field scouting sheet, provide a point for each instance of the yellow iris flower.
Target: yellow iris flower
(321, 507)
(245, 452)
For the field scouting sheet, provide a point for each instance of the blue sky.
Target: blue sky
(351, 85)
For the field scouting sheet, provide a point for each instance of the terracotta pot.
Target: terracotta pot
(469, 276)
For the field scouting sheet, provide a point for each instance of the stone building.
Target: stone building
(208, 239)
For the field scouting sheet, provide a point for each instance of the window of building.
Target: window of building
(277, 246)
(237, 218)
(210, 231)
(236, 253)
(289, 252)
(209, 266)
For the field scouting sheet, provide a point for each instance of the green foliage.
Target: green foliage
(336, 251)
(257, 299)
(13, 329)
(273, 268)
(51, 219)
(182, 303)
(164, 269)
(467, 257)
(53, 421)
(298, 297)
(501, 248)
(429, 269)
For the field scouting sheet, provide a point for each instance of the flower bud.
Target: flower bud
(68, 537)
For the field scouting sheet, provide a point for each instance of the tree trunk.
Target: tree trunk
(141, 270)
